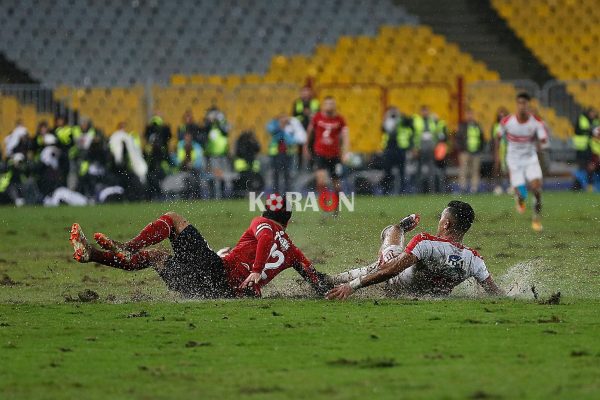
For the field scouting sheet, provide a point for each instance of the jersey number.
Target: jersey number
(455, 264)
(275, 264)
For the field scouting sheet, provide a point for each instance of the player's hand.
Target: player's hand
(251, 280)
(340, 292)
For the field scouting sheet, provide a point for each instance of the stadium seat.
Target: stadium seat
(568, 42)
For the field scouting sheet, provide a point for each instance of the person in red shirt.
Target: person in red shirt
(328, 139)
(194, 269)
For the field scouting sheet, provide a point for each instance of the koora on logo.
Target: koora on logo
(294, 201)
(274, 202)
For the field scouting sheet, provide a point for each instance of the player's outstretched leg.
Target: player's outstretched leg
(392, 241)
(167, 226)
(83, 252)
(536, 221)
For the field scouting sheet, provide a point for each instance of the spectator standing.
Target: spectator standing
(429, 131)
(92, 158)
(17, 140)
(586, 122)
(279, 151)
(247, 165)
(66, 136)
(39, 141)
(397, 140)
(189, 161)
(128, 163)
(470, 144)
(499, 169)
(158, 135)
(304, 108)
(216, 129)
(189, 125)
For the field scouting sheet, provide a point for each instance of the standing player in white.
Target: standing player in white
(524, 133)
(429, 265)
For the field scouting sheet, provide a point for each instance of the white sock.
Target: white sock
(352, 274)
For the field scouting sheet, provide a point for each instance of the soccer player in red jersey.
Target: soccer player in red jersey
(328, 136)
(429, 265)
(194, 269)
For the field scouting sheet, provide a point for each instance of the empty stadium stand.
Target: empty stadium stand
(567, 42)
(117, 43)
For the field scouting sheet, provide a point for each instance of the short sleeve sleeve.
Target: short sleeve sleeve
(260, 228)
(419, 247)
(478, 270)
(541, 132)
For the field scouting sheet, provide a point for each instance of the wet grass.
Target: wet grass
(136, 340)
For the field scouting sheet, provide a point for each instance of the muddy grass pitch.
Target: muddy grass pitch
(72, 331)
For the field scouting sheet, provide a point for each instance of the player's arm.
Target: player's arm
(484, 278)
(382, 274)
(265, 240)
(491, 288)
(317, 280)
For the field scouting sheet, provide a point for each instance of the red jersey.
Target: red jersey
(328, 132)
(265, 248)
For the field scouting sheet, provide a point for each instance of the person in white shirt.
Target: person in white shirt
(429, 265)
(524, 133)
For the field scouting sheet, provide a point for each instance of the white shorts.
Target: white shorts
(522, 172)
(405, 277)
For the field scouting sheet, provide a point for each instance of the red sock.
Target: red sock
(140, 260)
(155, 232)
(104, 258)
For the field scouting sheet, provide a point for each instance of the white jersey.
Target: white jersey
(441, 265)
(521, 138)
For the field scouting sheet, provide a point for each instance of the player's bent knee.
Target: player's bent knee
(177, 221)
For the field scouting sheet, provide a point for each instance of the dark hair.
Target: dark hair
(282, 215)
(524, 95)
(462, 213)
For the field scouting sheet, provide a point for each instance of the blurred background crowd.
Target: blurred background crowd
(81, 164)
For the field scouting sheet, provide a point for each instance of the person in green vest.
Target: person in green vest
(189, 125)
(158, 136)
(216, 129)
(498, 170)
(397, 140)
(280, 149)
(92, 158)
(470, 143)
(584, 126)
(595, 164)
(304, 108)
(67, 136)
(12, 179)
(247, 165)
(189, 161)
(428, 132)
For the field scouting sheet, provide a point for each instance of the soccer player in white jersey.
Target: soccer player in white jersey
(524, 133)
(429, 265)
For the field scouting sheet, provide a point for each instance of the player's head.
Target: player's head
(306, 93)
(281, 215)
(456, 218)
(523, 100)
(424, 111)
(329, 105)
(469, 115)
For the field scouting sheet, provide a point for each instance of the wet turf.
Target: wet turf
(139, 341)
